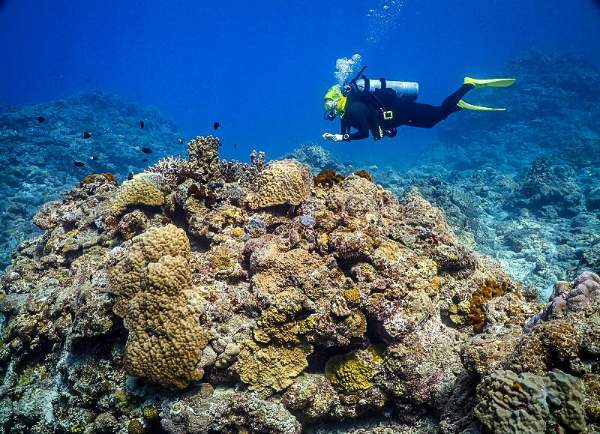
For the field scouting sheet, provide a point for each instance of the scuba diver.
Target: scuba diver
(381, 106)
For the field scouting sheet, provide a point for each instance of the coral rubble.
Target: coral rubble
(211, 296)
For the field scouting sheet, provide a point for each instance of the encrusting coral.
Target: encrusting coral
(251, 298)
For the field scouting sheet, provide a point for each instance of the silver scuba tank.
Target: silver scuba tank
(408, 90)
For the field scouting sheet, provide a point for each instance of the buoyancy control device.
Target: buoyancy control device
(381, 94)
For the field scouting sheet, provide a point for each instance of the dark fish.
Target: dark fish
(146, 150)
(130, 175)
(180, 141)
(87, 134)
(78, 164)
(216, 125)
(93, 158)
(142, 124)
(41, 119)
(145, 160)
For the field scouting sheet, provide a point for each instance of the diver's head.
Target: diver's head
(335, 103)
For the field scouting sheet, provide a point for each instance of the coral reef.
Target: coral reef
(528, 403)
(37, 158)
(213, 296)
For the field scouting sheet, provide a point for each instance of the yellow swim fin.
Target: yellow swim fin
(466, 106)
(490, 82)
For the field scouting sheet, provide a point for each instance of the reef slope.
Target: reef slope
(212, 296)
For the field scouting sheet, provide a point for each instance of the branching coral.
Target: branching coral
(328, 177)
(174, 170)
(473, 312)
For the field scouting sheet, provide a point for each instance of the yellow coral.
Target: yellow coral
(165, 340)
(352, 295)
(271, 368)
(237, 232)
(281, 182)
(353, 372)
(388, 250)
(137, 191)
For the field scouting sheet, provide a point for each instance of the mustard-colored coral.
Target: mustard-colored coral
(472, 311)
(271, 368)
(352, 295)
(281, 182)
(137, 191)
(353, 372)
(165, 340)
(278, 324)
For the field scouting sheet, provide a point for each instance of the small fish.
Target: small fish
(142, 124)
(216, 125)
(41, 119)
(78, 164)
(180, 141)
(87, 134)
(144, 160)
(130, 176)
(93, 158)
(146, 150)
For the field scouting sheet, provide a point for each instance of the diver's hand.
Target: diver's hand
(333, 137)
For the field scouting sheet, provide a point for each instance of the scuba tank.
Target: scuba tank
(403, 89)
(381, 88)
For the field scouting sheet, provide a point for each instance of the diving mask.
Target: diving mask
(330, 113)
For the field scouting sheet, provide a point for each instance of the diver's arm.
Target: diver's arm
(358, 112)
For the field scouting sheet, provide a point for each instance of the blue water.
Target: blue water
(260, 68)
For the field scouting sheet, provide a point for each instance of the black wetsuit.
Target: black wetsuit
(365, 117)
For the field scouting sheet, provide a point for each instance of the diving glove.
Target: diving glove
(333, 137)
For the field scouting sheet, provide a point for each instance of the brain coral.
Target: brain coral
(138, 191)
(281, 182)
(529, 403)
(150, 278)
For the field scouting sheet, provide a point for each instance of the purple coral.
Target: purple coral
(584, 295)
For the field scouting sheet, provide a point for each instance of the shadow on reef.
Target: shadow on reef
(216, 296)
(41, 143)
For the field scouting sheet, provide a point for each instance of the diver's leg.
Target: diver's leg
(450, 103)
(424, 115)
(427, 116)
